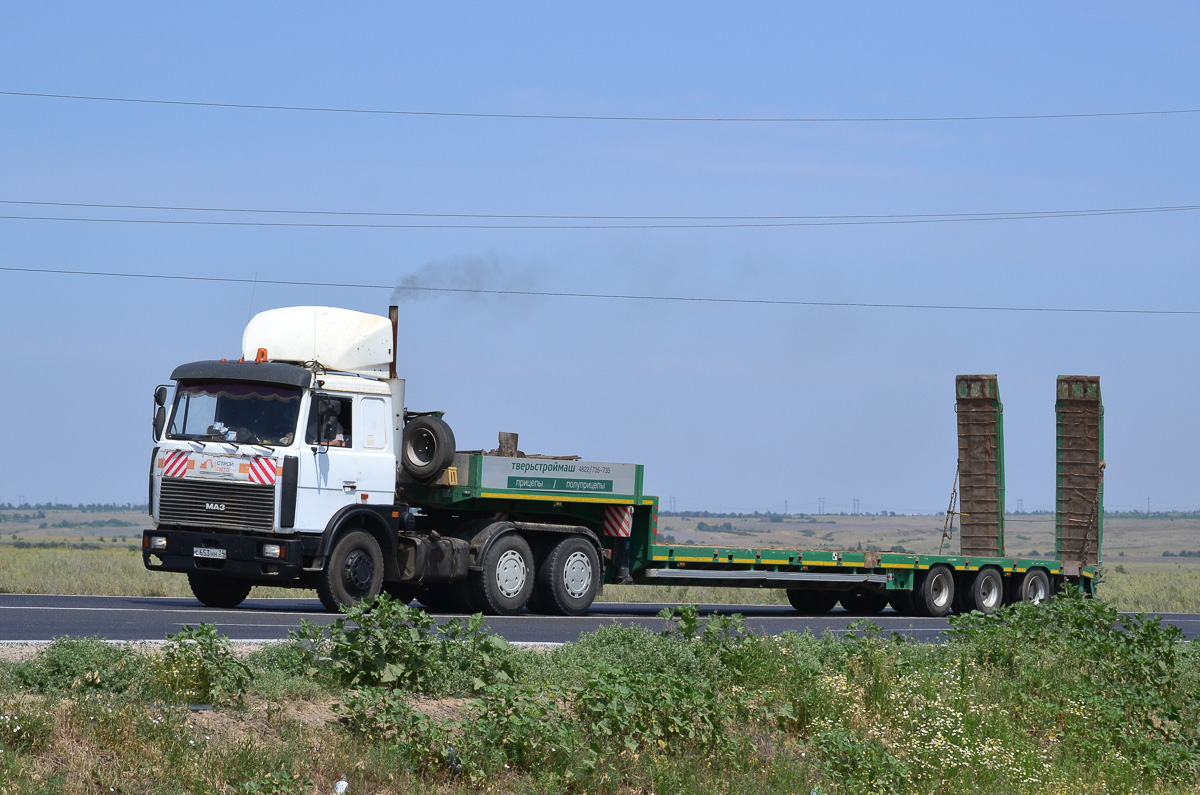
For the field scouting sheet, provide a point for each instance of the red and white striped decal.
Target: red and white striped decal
(175, 465)
(618, 520)
(262, 470)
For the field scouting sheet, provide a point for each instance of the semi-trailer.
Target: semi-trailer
(298, 465)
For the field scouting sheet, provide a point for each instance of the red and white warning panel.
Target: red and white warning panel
(175, 465)
(262, 470)
(618, 520)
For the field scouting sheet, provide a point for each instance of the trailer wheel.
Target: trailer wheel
(902, 602)
(865, 603)
(569, 577)
(216, 591)
(505, 582)
(812, 603)
(986, 592)
(935, 593)
(1034, 587)
(353, 572)
(428, 447)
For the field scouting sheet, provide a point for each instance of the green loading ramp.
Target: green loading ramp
(1079, 498)
(980, 465)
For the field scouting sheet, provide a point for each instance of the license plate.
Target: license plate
(209, 552)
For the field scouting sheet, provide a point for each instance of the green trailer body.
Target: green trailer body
(608, 499)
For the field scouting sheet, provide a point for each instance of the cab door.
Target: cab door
(329, 464)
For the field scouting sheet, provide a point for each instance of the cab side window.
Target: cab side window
(330, 421)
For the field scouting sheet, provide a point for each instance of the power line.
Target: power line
(876, 218)
(607, 296)
(599, 223)
(597, 117)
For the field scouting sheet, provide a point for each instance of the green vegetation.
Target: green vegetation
(1061, 697)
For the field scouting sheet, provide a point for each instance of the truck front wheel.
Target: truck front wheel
(216, 591)
(353, 572)
(569, 577)
(504, 584)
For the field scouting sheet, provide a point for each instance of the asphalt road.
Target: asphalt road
(26, 617)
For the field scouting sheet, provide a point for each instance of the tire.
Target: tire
(902, 602)
(401, 592)
(865, 603)
(217, 591)
(569, 578)
(812, 603)
(985, 593)
(353, 572)
(428, 447)
(935, 593)
(504, 584)
(1034, 587)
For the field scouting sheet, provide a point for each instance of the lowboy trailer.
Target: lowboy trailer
(299, 466)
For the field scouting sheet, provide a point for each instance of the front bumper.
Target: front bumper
(244, 558)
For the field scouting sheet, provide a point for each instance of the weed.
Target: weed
(84, 664)
(196, 665)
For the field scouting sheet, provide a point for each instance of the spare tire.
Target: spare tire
(428, 447)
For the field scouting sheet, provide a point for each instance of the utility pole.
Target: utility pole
(785, 513)
(821, 506)
(1147, 504)
(856, 506)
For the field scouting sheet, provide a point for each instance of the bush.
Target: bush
(196, 665)
(383, 642)
(81, 664)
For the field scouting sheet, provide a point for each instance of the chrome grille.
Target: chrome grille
(246, 505)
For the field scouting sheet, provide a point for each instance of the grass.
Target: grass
(1060, 697)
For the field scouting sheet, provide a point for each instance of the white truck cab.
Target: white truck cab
(297, 465)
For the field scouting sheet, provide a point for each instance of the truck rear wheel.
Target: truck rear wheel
(812, 603)
(568, 578)
(353, 572)
(935, 593)
(504, 584)
(986, 592)
(865, 603)
(428, 447)
(1034, 587)
(217, 591)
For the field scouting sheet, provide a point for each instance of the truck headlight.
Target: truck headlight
(158, 542)
(272, 551)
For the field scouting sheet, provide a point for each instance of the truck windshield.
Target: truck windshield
(235, 412)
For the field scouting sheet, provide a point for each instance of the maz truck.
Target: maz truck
(298, 465)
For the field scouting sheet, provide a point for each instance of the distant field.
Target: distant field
(97, 553)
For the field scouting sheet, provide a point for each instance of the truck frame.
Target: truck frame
(304, 469)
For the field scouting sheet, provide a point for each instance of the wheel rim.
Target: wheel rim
(989, 593)
(510, 573)
(1037, 590)
(358, 573)
(422, 446)
(577, 575)
(940, 589)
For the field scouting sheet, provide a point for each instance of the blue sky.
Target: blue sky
(730, 407)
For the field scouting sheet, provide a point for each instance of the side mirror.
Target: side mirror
(160, 420)
(160, 396)
(328, 429)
